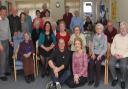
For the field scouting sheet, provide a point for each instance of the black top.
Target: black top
(15, 24)
(60, 58)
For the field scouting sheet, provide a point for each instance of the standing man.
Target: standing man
(14, 21)
(67, 17)
(5, 38)
(76, 21)
(44, 7)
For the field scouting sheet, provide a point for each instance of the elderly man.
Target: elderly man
(110, 32)
(14, 21)
(76, 21)
(5, 38)
(58, 63)
(119, 51)
(67, 17)
(44, 7)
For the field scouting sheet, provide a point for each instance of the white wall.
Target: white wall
(122, 10)
(57, 12)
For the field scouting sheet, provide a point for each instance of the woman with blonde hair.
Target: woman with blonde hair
(79, 65)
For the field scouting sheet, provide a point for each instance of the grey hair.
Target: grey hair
(100, 25)
(123, 23)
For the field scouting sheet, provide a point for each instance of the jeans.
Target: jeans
(4, 57)
(62, 77)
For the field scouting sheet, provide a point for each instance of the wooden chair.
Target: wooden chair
(108, 54)
(104, 63)
(18, 65)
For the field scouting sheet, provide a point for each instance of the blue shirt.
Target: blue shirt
(76, 21)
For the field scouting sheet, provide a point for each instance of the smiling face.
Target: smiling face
(61, 44)
(26, 37)
(123, 28)
(78, 44)
(47, 27)
(76, 31)
(99, 28)
(62, 26)
(3, 13)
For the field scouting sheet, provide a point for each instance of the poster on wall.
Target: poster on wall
(114, 10)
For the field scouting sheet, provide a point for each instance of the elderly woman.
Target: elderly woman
(79, 65)
(99, 48)
(119, 50)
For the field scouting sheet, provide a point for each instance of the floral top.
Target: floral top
(80, 64)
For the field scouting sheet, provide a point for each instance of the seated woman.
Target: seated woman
(79, 65)
(119, 51)
(99, 48)
(26, 50)
(47, 41)
(63, 33)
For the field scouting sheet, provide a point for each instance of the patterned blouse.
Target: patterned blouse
(80, 64)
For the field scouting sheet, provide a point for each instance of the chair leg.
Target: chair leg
(14, 66)
(106, 73)
(37, 71)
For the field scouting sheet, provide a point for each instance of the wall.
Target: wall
(57, 12)
(122, 10)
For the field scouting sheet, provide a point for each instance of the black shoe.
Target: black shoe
(32, 77)
(90, 83)
(123, 85)
(27, 79)
(7, 73)
(114, 82)
(4, 78)
(96, 85)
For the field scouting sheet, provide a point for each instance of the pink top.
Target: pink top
(80, 64)
(38, 21)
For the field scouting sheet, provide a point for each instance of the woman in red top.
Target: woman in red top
(62, 34)
(38, 25)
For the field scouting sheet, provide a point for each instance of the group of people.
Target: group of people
(70, 51)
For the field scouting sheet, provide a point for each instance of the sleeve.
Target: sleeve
(113, 46)
(93, 42)
(81, 26)
(71, 24)
(85, 64)
(67, 58)
(20, 51)
(41, 39)
(9, 32)
(54, 38)
(74, 63)
(19, 25)
(41, 23)
(53, 55)
(83, 39)
(104, 50)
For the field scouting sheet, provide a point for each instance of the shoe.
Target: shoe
(4, 78)
(50, 85)
(7, 73)
(114, 82)
(32, 77)
(96, 85)
(58, 86)
(27, 79)
(123, 85)
(90, 83)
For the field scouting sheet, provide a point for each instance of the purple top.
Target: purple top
(25, 48)
(80, 64)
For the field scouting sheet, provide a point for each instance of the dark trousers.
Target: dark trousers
(94, 68)
(123, 67)
(62, 77)
(28, 66)
(72, 84)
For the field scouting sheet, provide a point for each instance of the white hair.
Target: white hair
(99, 25)
(124, 24)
